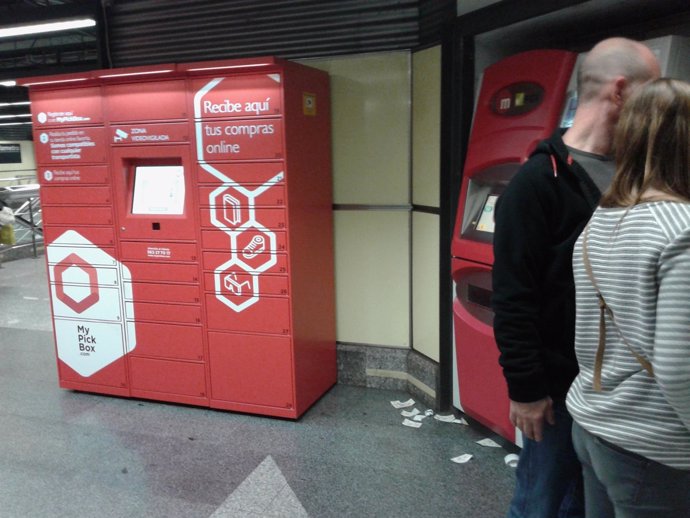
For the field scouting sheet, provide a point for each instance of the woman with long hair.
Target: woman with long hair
(631, 400)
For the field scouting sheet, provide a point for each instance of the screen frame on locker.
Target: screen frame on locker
(130, 170)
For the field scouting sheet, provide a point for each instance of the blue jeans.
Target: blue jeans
(622, 484)
(549, 476)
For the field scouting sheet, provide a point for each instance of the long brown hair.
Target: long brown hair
(652, 144)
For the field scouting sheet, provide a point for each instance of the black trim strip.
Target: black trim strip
(426, 209)
(359, 206)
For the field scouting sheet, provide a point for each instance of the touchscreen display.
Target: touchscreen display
(158, 190)
(486, 218)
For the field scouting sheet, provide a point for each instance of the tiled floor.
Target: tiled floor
(70, 454)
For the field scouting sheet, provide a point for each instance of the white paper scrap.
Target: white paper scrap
(411, 424)
(429, 412)
(511, 460)
(419, 418)
(409, 413)
(489, 443)
(402, 404)
(450, 419)
(462, 459)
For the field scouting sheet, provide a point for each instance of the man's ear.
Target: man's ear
(620, 85)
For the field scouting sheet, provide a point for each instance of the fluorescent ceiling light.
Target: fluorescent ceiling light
(13, 123)
(38, 28)
(8, 83)
(15, 116)
(124, 74)
(18, 103)
(229, 66)
(57, 81)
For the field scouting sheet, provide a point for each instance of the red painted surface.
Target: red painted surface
(170, 293)
(145, 101)
(143, 134)
(72, 175)
(59, 146)
(104, 237)
(170, 341)
(243, 173)
(159, 252)
(246, 139)
(243, 96)
(109, 380)
(209, 310)
(251, 369)
(268, 315)
(57, 195)
(67, 106)
(269, 284)
(497, 139)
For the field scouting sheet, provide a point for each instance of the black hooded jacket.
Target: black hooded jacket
(538, 219)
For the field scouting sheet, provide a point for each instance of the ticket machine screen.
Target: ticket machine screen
(483, 191)
(485, 223)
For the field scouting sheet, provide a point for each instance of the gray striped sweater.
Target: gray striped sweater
(642, 266)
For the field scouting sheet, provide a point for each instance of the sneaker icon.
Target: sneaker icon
(255, 247)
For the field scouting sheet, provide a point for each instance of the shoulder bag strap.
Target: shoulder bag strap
(605, 309)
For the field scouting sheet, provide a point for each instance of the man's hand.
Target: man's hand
(529, 417)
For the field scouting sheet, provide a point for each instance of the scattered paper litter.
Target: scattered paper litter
(411, 424)
(462, 459)
(489, 443)
(419, 418)
(429, 411)
(402, 404)
(449, 419)
(409, 413)
(511, 460)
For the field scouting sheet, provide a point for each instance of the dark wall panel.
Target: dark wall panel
(157, 31)
(433, 16)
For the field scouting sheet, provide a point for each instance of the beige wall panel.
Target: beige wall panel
(372, 277)
(426, 126)
(370, 100)
(27, 167)
(425, 284)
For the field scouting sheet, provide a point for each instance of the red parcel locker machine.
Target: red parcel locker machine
(520, 102)
(188, 222)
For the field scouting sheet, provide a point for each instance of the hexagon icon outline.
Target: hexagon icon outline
(111, 343)
(218, 282)
(272, 258)
(238, 218)
(71, 261)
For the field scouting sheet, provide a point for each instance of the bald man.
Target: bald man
(538, 218)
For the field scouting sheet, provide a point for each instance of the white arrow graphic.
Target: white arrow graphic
(265, 493)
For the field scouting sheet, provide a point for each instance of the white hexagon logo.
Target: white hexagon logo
(90, 329)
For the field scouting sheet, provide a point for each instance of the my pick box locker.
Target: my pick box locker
(188, 222)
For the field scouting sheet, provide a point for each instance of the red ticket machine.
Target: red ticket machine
(188, 223)
(520, 102)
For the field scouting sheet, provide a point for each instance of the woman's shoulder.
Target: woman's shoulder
(672, 216)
